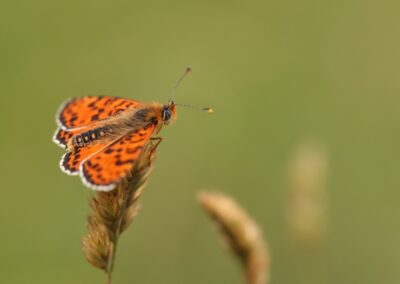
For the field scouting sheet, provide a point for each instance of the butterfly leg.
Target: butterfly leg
(155, 145)
(152, 147)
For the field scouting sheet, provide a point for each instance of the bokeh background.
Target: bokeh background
(277, 73)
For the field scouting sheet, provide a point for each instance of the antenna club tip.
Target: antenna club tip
(188, 69)
(209, 110)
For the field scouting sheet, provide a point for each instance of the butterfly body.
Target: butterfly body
(105, 136)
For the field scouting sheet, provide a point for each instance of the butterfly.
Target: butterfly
(104, 136)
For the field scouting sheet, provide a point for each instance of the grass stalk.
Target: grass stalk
(112, 213)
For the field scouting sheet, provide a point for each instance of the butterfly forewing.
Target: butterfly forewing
(103, 170)
(84, 111)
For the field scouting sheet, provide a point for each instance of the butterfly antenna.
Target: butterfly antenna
(187, 71)
(205, 109)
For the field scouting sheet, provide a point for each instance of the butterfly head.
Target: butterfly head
(169, 112)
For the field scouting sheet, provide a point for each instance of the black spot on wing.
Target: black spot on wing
(73, 119)
(65, 161)
(120, 162)
(120, 104)
(133, 150)
(109, 151)
(108, 101)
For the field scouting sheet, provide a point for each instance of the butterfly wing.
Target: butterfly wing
(104, 169)
(61, 137)
(71, 160)
(81, 112)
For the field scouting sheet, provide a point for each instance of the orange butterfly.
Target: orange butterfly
(104, 136)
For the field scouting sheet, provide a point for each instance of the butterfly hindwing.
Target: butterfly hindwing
(71, 160)
(80, 112)
(61, 136)
(103, 170)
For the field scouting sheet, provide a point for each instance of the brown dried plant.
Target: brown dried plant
(112, 212)
(241, 233)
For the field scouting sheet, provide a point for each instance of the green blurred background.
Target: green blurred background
(276, 72)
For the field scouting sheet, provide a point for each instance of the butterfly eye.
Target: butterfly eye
(166, 114)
